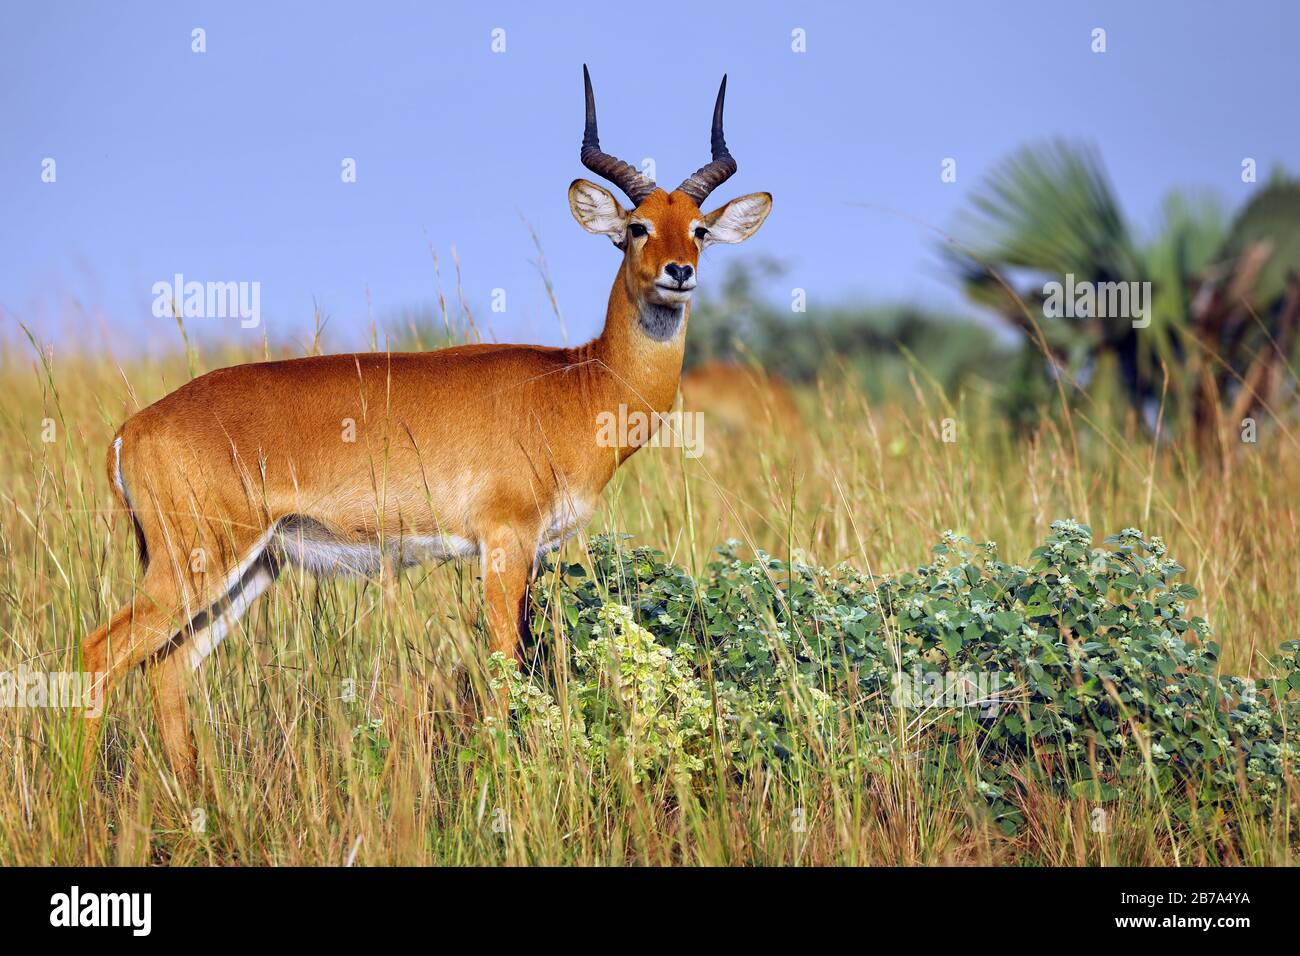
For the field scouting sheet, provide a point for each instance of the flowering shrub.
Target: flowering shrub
(635, 700)
(1082, 668)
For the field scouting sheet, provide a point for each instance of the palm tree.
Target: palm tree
(1050, 212)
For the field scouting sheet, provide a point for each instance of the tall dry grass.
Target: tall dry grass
(298, 770)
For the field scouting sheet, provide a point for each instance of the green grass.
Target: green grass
(296, 770)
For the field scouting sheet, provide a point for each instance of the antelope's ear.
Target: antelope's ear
(597, 210)
(738, 219)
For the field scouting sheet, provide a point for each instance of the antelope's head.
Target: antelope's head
(663, 234)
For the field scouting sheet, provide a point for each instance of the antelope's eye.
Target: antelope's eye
(637, 230)
(700, 233)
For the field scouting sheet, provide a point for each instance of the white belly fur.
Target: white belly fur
(313, 547)
(310, 546)
(566, 520)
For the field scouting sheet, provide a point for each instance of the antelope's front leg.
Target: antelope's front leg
(507, 568)
(508, 559)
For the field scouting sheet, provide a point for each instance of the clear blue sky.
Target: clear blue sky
(225, 165)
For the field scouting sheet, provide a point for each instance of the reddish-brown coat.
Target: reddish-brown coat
(494, 446)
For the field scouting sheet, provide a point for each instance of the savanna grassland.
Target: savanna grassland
(334, 725)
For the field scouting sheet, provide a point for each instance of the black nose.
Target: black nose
(678, 273)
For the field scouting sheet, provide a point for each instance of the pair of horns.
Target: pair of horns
(635, 184)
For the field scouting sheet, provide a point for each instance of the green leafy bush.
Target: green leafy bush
(1081, 669)
(635, 700)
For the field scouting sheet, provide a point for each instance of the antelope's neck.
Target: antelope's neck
(640, 352)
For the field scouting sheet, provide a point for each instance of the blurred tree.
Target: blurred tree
(872, 342)
(1223, 297)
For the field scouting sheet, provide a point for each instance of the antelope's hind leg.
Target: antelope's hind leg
(146, 632)
(169, 680)
(170, 670)
(137, 631)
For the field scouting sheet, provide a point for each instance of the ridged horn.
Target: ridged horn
(623, 175)
(718, 170)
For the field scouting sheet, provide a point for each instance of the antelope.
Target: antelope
(737, 395)
(477, 451)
